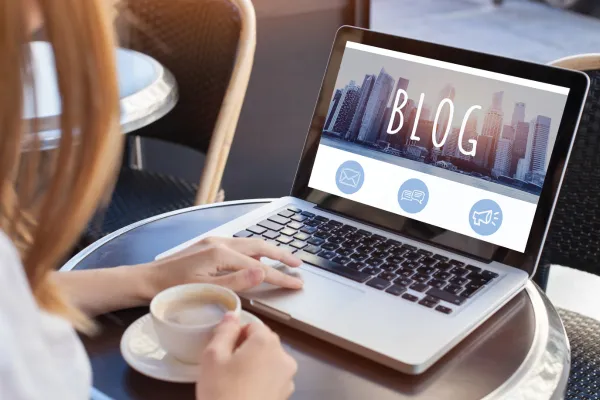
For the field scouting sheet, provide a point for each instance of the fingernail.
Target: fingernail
(299, 282)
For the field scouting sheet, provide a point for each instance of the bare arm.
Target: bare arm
(99, 291)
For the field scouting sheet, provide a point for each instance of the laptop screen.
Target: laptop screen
(457, 147)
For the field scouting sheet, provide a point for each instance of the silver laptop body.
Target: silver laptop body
(402, 335)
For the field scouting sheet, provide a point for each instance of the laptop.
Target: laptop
(422, 198)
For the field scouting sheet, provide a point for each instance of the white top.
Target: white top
(41, 356)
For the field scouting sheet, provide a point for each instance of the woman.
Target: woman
(46, 202)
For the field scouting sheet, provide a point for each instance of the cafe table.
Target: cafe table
(147, 92)
(521, 352)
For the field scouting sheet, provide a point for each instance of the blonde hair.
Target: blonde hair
(47, 198)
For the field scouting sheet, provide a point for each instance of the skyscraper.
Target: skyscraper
(426, 113)
(402, 84)
(408, 115)
(470, 133)
(332, 107)
(541, 133)
(369, 128)
(503, 157)
(406, 112)
(537, 178)
(410, 123)
(518, 115)
(448, 92)
(519, 146)
(522, 169)
(492, 126)
(365, 92)
(524, 164)
(508, 132)
(408, 109)
(346, 109)
(497, 100)
(484, 148)
(471, 125)
(387, 115)
(424, 130)
(450, 148)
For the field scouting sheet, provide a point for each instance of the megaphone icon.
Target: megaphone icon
(482, 217)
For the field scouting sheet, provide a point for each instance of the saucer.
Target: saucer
(140, 349)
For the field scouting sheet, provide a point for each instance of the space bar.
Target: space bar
(332, 267)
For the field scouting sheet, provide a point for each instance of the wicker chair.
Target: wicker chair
(208, 45)
(574, 236)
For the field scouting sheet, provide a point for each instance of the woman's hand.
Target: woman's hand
(245, 363)
(233, 263)
(229, 262)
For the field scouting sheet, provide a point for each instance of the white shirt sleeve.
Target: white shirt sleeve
(41, 356)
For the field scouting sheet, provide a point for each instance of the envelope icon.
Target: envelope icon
(350, 177)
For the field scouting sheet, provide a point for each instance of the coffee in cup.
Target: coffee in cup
(185, 316)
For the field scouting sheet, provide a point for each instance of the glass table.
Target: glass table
(148, 91)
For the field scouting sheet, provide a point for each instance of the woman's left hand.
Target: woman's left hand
(229, 262)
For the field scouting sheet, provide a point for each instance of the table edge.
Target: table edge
(543, 354)
(73, 261)
(139, 109)
(163, 91)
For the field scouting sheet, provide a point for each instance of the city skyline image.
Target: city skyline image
(514, 126)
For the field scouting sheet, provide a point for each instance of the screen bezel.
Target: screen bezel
(577, 82)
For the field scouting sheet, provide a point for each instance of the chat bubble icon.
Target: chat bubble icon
(418, 196)
(407, 195)
(413, 196)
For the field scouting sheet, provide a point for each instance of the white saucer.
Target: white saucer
(140, 349)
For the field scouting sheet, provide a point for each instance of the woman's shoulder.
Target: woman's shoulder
(7, 248)
(40, 354)
(16, 300)
(12, 274)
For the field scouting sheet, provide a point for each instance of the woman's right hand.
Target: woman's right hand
(245, 363)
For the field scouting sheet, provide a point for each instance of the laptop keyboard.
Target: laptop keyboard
(413, 274)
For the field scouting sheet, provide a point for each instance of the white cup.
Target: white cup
(186, 342)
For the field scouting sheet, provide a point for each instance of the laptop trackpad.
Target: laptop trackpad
(320, 298)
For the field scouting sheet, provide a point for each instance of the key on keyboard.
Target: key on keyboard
(243, 234)
(312, 249)
(271, 225)
(396, 290)
(280, 220)
(333, 267)
(288, 231)
(285, 239)
(378, 283)
(298, 244)
(443, 295)
(295, 225)
(271, 235)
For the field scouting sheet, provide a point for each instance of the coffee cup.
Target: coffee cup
(185, 316)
